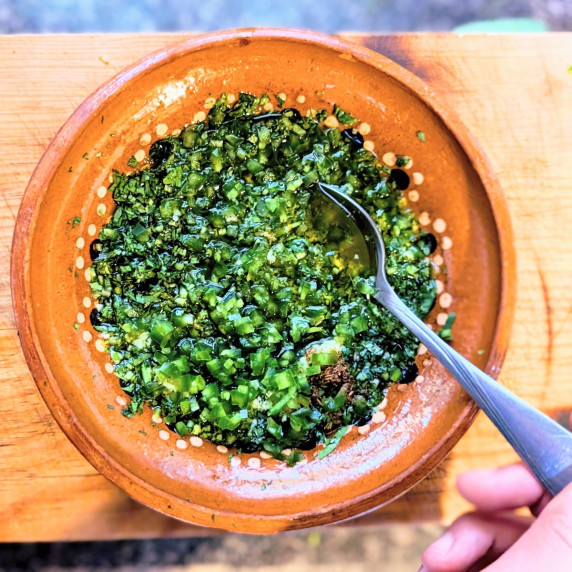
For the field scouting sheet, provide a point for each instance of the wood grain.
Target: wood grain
(515, 95)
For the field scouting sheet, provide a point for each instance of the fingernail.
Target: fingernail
(443, 544)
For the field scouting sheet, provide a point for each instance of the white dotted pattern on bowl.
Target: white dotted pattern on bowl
(364, 129)
(331, 122)
(389, 159)
(254, 463)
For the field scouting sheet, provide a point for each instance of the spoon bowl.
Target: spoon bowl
(544, 445)
(365, 234)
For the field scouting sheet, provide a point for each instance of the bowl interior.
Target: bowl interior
(200, 483)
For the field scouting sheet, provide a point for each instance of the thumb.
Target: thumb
(547, 544)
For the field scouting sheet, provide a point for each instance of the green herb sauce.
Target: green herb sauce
(227, 295)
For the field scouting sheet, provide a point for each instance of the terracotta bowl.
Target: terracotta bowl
(452, 188)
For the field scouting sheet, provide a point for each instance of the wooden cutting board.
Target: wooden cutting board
(513, 92)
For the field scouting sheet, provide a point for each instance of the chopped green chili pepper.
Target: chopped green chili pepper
(280, 101)
(333, 442)
(228, 295)
(445, 332)
(343, 116)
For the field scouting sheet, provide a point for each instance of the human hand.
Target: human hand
(494, 538)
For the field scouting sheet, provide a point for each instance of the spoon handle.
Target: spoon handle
(544, 445)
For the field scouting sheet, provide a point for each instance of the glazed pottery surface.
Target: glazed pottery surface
(193, 480)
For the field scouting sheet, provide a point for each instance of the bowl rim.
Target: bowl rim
(63, 412)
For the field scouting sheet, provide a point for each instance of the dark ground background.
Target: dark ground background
(397, 548)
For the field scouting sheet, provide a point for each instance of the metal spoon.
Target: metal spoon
(544, 445)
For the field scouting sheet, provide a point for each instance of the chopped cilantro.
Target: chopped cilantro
(75, 221)
(421, 136)
(76, 326)
(402, 160)
(294, 457)
(320, 115)
(132, 162)
(110, 407)
(85, 156)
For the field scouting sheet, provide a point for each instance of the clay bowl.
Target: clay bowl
(420, 422)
